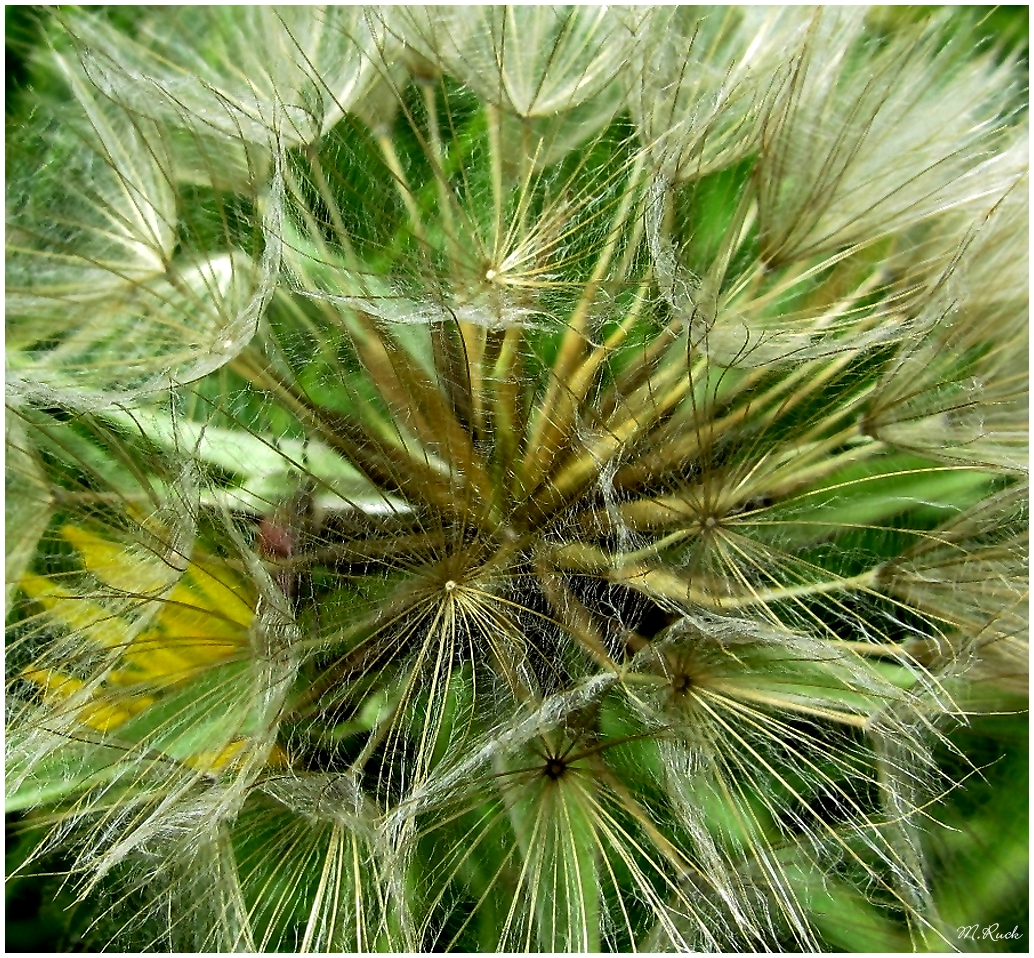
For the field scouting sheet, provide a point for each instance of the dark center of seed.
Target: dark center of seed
(555, 767)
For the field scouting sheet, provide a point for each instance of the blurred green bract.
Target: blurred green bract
(511, 479)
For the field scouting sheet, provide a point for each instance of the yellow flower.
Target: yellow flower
(159, 639)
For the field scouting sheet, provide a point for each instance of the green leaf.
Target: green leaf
(27, 505)
(858, 496)
(270, 469)
(204, 715)
(73, 770)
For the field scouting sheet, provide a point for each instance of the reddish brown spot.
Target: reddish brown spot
(275, 541)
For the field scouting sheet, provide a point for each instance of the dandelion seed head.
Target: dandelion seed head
(411, 406)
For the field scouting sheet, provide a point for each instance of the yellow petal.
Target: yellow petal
(215, 760)
(182, 615)
(127, 570)
(101, 713)
(223, 590)
(78, 614)
(104, 715)
(56, 685)
(160, 662)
